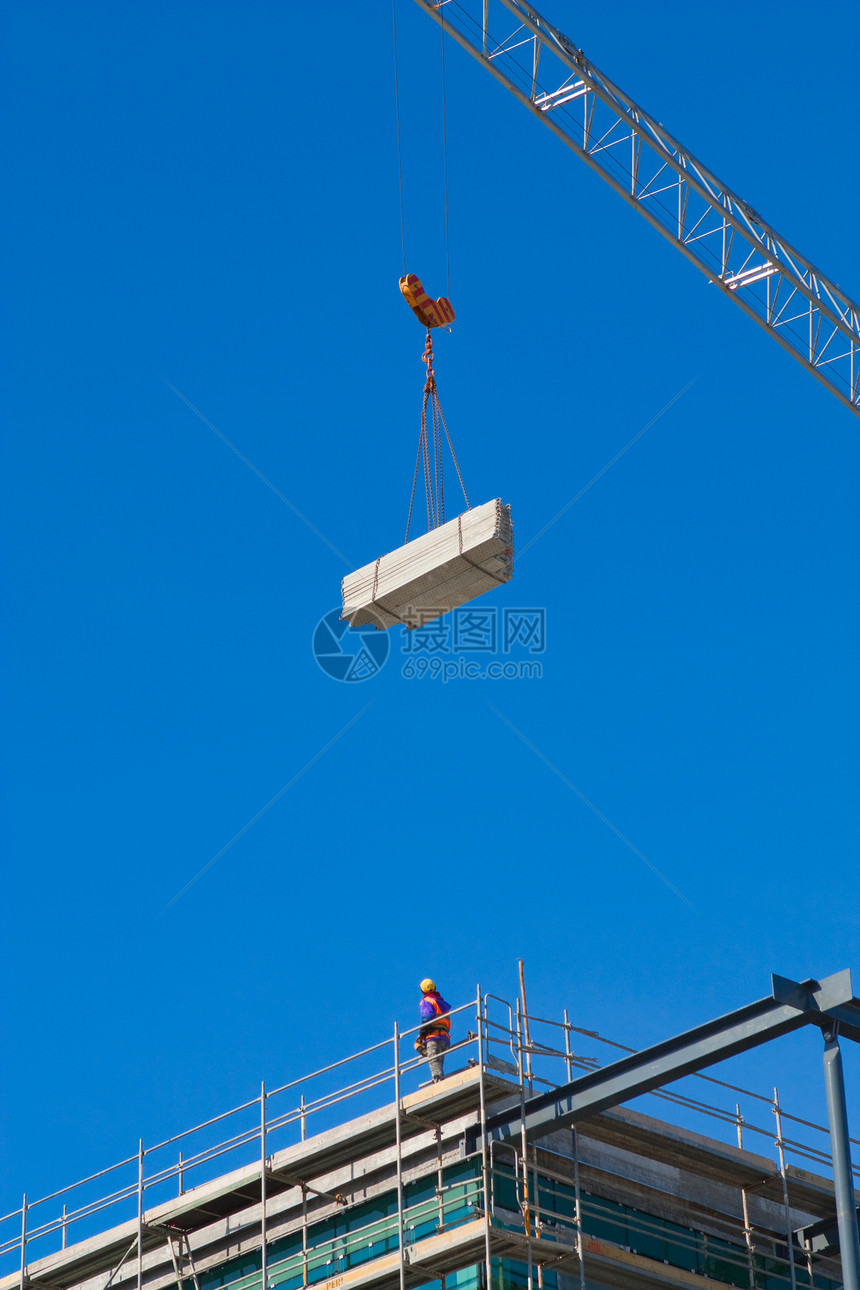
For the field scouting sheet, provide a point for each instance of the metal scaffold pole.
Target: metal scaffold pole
(399, 1150)
(485, 1172)
(785, 1201)
(526, 1036)
(840, 1150)
(440, 1188)
(23, 1239)
(304, 1234)
(263, 1252)
(748, 1238)
(140, 1214)
(527, 1217)
(568, 1054)
(577, 1194)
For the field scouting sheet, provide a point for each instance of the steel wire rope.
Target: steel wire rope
(453, 454)
(397, 123)
(445, 153)
(435, 497)
(412, 494)
(421, 457)
(434, 486)
(799, 342)
(437, 460)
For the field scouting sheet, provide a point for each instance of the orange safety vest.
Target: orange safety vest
(441, 1025)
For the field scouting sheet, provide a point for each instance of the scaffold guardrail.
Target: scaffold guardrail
(532, 1051)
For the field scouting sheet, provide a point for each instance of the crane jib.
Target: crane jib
(719, 232)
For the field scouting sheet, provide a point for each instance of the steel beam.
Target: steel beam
(790, 1005)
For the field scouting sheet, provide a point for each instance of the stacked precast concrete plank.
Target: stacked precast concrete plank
(434, 573)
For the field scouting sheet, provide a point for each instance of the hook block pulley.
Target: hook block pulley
(430, 313)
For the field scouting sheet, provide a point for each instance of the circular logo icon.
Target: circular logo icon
(348, 653)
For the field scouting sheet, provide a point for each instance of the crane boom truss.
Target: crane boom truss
(718, 231)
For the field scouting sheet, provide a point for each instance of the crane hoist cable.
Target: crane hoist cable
(445, 153)
(397, 123)
(444, 144)
(432, 313)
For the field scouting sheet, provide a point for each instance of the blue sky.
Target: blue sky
(208, 196)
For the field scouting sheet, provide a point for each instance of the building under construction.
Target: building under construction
(525, 1167)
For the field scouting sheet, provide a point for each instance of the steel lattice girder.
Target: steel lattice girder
(828, 1003)
(717, 230)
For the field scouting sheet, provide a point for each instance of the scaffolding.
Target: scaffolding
(284, 1183)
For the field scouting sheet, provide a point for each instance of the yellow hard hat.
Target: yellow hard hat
(427, 986)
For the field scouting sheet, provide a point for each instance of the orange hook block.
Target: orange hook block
(430, 313)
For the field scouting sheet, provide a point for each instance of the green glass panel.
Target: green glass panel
(510, 1275)
(365, 1232)
(505, 1190)
(652, 1245)
(604, 1221)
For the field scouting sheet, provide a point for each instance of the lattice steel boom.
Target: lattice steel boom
(717, 230)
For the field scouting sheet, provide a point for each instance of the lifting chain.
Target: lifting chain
(427, 357)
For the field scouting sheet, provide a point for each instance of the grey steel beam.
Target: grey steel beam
(718, 231)
(826, 1001)
(790, 1005)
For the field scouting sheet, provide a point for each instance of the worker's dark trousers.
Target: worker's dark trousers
(436, 1053)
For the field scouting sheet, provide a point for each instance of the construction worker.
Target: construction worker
(435, 1034)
